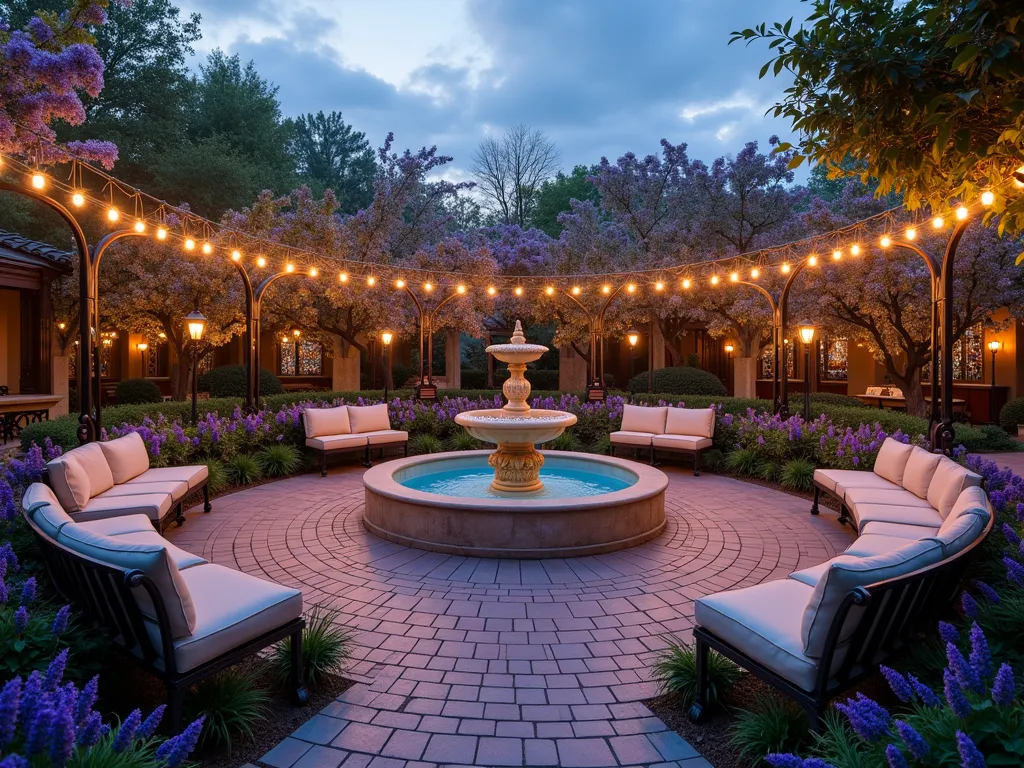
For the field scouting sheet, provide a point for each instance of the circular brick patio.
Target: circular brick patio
(471, 661)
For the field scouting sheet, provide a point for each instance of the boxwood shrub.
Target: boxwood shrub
(136, 391)
(231, 380)
(1012, 415)
(680, 381)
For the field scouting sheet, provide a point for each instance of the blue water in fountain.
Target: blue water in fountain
(470, 477)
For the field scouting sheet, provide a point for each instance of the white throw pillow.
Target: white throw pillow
(94, 462)
(949, 480)
(642, 418)
(152, 559)
(697, 422)
(920, 468)
(971, 499)
(369, 418)
(892, 460)
(126, 456)
(846, 573)
(320, 422)
(70, 482)
(45, 510)
(963, 532)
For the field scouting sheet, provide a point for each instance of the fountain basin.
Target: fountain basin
(496, 425)
(589, 505)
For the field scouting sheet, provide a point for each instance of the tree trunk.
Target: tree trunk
(910, 383)
(179, 379)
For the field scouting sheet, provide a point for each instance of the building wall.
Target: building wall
(10, 340)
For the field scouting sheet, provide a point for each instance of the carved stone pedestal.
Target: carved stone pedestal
(516, 468)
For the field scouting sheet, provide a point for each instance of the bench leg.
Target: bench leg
(179, 518)
(366, 462)
(611, 449)
(844, 514)
(652, 455)
(817, 498)
(406, 449)
(696, 464)
(298, 682)
(175, 707)
(206, 499)
(323, 466)
(700, 696)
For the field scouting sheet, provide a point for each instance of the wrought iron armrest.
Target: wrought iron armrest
(858, 596)
(136, 578)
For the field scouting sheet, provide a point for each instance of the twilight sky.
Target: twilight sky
(600, 77)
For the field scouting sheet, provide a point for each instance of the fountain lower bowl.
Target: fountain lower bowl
(590, 505)
(497, 425)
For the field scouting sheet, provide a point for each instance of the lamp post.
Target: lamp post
(385, 338)
(993, 347)
(807, 336)
(632, 336)
(196, 323)
(142, 347)
(728, 367)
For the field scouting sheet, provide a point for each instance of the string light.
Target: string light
(687, 283)
(428, 287)
(460, 289)
(961, 212)
(289, 268)
(606, 289)
(855, 249)
(190, 244)
(837, 254)
(399, 283)
(140, 226)
(714, 279)
(938, 222)
(575, 290)
(38, 180)
(812, 260)
(78, 199)
(988, 197)
(519, 290)
(343, 277)
(550, 291)
(371, 281)
(314, 272)
(885, 242)
(1018, 178)
(735, 277)
(261, 262)
(659, 286)
(113, 214)
(785, 267)
(491, 290)
(207, 249)
(631, 288)
(910, 234)
(755, 273)
(236, 255)
(161, 233)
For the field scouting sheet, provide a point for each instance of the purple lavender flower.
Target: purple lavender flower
(3, 592)
(969, 605)
(980, 657)
(9, 698)
(11, 557)
(948, 632)
(126, 732)
(39, 731)
(60, 621)
(958, 703)
(21, 620)
(965, 674)
(1014, 570)
(867, 717)
(915, 741)
(1004, 689)
(1011, 535)
(986, 591)
(779, 760)
(151, 723)
(970, 755)
(1020, 511)
(90, 730)
(177, 748)
(28, 591)
(894, 757)
(62, 737)
(55, 672)
(14, 761)
(926, 694)
(30, 697)
(87, 700)
(898, 683)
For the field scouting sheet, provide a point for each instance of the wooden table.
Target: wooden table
(889, 401)
(17, 411)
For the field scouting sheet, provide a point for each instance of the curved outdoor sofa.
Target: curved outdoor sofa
(820, 630)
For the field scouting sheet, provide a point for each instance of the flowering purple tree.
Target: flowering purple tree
(44, 70)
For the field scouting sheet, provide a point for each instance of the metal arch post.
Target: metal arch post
(773, 304)
(943, 433)
(88, 430)
(600, 331)
(783, 310)
(431, 315)
(252, 375)
(257, 304)
(591, 334)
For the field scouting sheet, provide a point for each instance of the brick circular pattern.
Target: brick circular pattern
(474, 661)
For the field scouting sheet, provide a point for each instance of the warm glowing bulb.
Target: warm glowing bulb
(755, 273)
(1018, 178)
(428, 287)
(735, 277)
(190, 244)
(837, 254)
(296, 333)
(687, 283)
(961, 212)
(113, 214)
(491, 290)
(399, 283)
(885, 241)
(606, 289)
(575, 290)
(460, 289)
(812, 261)
(314, 272)
(161, 233)
(236, 255)
(289, 267)
(549, 291)
(285, 340)
(78, 199)
(988, 197)
(371, 281)
(659, 286)
(631, 288)
(855, 249)
(714, 279)
(207, 249)
(785, 268)
(140, 226)
(910, 234)
(519, 290)
(38, 180)
(938, 222)
(62, 326)
(343, 277)
(261, 262)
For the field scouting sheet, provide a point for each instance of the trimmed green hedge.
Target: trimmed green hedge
(680, 381)
(132, 391)
(232, 380)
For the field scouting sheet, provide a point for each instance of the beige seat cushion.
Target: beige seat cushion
(126, 456)
(642, 418)
(625, 437)
(899, 530)
(369, 418)
(871, 544)
(963, 532)
(682, 442)
(326, 421)
(153, 505)
(386, 436)
(182, 558)
(175, 490)
(115, 526)
(845, 574)
(40, 503)
(337, 442)
(897, 497)
(970, 498)
(920, 468)
(811, 576)
(193, 474)
(94, 462)
(70, 482)
(152, 559)
(696, 422)
(231, 608)
(949, 480)
(763, 621)
(884, 513)
(892, 459)
(838, 481)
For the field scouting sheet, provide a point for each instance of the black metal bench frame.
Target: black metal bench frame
(695, 452)
(844, 511)
(104, 594)
(365, 450)
(893, 611)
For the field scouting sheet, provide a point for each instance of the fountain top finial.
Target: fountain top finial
(517, 334)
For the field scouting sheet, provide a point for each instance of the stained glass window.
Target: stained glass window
(834, 355)
(311, 358)
(968, 355)
(287, 367)
(768, 362)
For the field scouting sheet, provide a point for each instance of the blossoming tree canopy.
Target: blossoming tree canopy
(926, 96)
(44, 70)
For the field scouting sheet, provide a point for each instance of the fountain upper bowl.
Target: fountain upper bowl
(498, 426)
